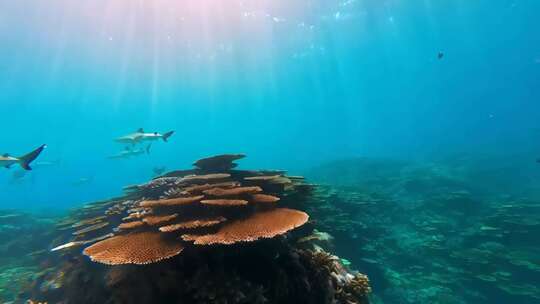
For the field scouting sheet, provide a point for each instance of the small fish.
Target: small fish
(141, 136)
(440, 55)
(538, 160)
(24, 161)
(128, 152)
(81, 243)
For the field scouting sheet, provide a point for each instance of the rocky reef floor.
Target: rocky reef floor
(211, 234)
(448, 231)
(459, 230)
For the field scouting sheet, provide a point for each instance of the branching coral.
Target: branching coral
(359, 285)
(348, 288)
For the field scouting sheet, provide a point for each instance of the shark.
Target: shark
(24, 161)
(141, 136)
(127, 153)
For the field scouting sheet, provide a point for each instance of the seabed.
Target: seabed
(421, 232)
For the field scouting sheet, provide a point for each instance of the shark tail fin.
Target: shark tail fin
(148, 148)
(27, 159)
(167, 135)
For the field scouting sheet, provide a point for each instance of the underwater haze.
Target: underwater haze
(289, 83)
(337, 90)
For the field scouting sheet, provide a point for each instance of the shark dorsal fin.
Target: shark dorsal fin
(5, 155)
(140, 130)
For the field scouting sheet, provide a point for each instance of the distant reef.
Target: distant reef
(456, 230)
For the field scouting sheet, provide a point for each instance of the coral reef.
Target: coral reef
(213, 234)
(23, 237)
(435, 232)
(424, 233)
(144, 234)
(267, 273)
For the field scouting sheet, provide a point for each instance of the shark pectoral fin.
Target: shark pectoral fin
(8, 166)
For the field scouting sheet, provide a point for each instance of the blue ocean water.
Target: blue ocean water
(449, 91)
(290, 84)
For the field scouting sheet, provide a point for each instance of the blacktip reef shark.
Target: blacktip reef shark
(127, 153)
(141, 136)
(24, 161)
